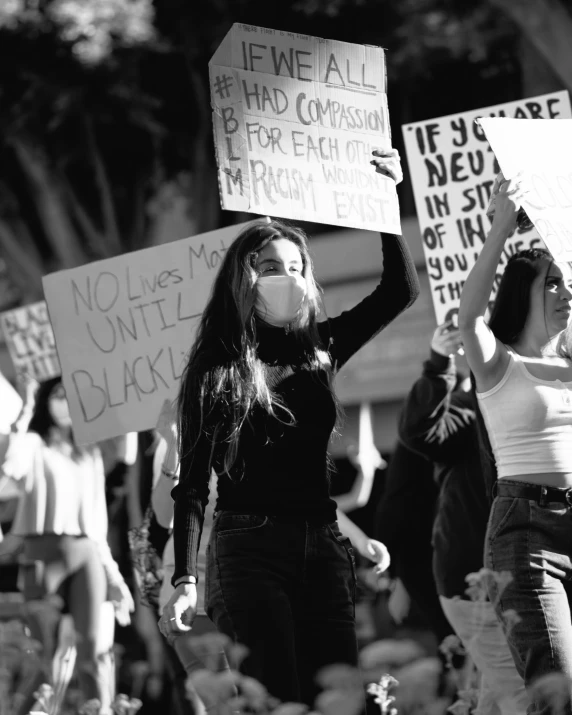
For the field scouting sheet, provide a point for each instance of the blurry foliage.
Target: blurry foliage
(89, 131)
(91, 26)
(422, 33)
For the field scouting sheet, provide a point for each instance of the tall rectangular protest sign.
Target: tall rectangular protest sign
(546, 168)
(295, 121)
(124, 326)
(453, 169)
(30, 341)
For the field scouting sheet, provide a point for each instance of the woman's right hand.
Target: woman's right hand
(179, 612)
(508, 202)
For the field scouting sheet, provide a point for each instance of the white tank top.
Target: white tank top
(529, 422)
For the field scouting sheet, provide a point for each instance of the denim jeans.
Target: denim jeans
(533, 543)
(501, 689)
(286, 590)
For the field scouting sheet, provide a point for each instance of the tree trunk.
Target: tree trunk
(206, 203)
(50, 202)
(548, 26)
(538, 77)
(24, 264)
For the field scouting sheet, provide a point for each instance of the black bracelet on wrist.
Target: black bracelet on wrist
(186, 580)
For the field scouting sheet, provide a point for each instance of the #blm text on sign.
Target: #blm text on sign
(30, 341)
(295, 121)
(453, 168)
(124, 327)
(542, 152)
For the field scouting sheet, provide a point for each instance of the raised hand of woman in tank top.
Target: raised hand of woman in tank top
(487, 356)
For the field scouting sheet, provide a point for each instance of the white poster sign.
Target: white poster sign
(453, 169)
(124, 326)
(30, 341)
(546, 167)
(10, 405)
(295, 121)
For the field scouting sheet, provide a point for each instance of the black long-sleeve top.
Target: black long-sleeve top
(282, 469)
(439, 423)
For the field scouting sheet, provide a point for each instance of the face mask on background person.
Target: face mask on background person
(279, 298)
(60, 411)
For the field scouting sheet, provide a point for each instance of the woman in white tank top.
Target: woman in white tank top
(523, 376)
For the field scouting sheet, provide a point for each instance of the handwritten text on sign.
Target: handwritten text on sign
(124, 326)
(30, 341)
(453, 168)
(546, 167)
(295, 121)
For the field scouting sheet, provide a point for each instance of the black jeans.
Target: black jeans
(534, 544)
(286, 590)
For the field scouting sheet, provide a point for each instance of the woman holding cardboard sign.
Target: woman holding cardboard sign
(523, 376)
(257, 404)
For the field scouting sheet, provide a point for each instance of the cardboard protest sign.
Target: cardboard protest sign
(453, 169)
(295, 121)
(546, 166)
(124, 326)
(10, 405)
(30, 341)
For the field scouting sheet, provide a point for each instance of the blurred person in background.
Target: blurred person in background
(257, 405)
(404, 523)
(62, 521)
(438, 422)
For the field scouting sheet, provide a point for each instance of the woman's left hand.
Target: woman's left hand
(120, 596)
(377, 552)
(388, 163)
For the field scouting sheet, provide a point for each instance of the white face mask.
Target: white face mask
(60, 411)
(279, 298)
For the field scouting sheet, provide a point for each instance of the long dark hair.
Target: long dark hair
(44, 424)
(224, 378)
(512, 303)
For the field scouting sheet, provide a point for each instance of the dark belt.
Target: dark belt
(534, 492)
(315, 520)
